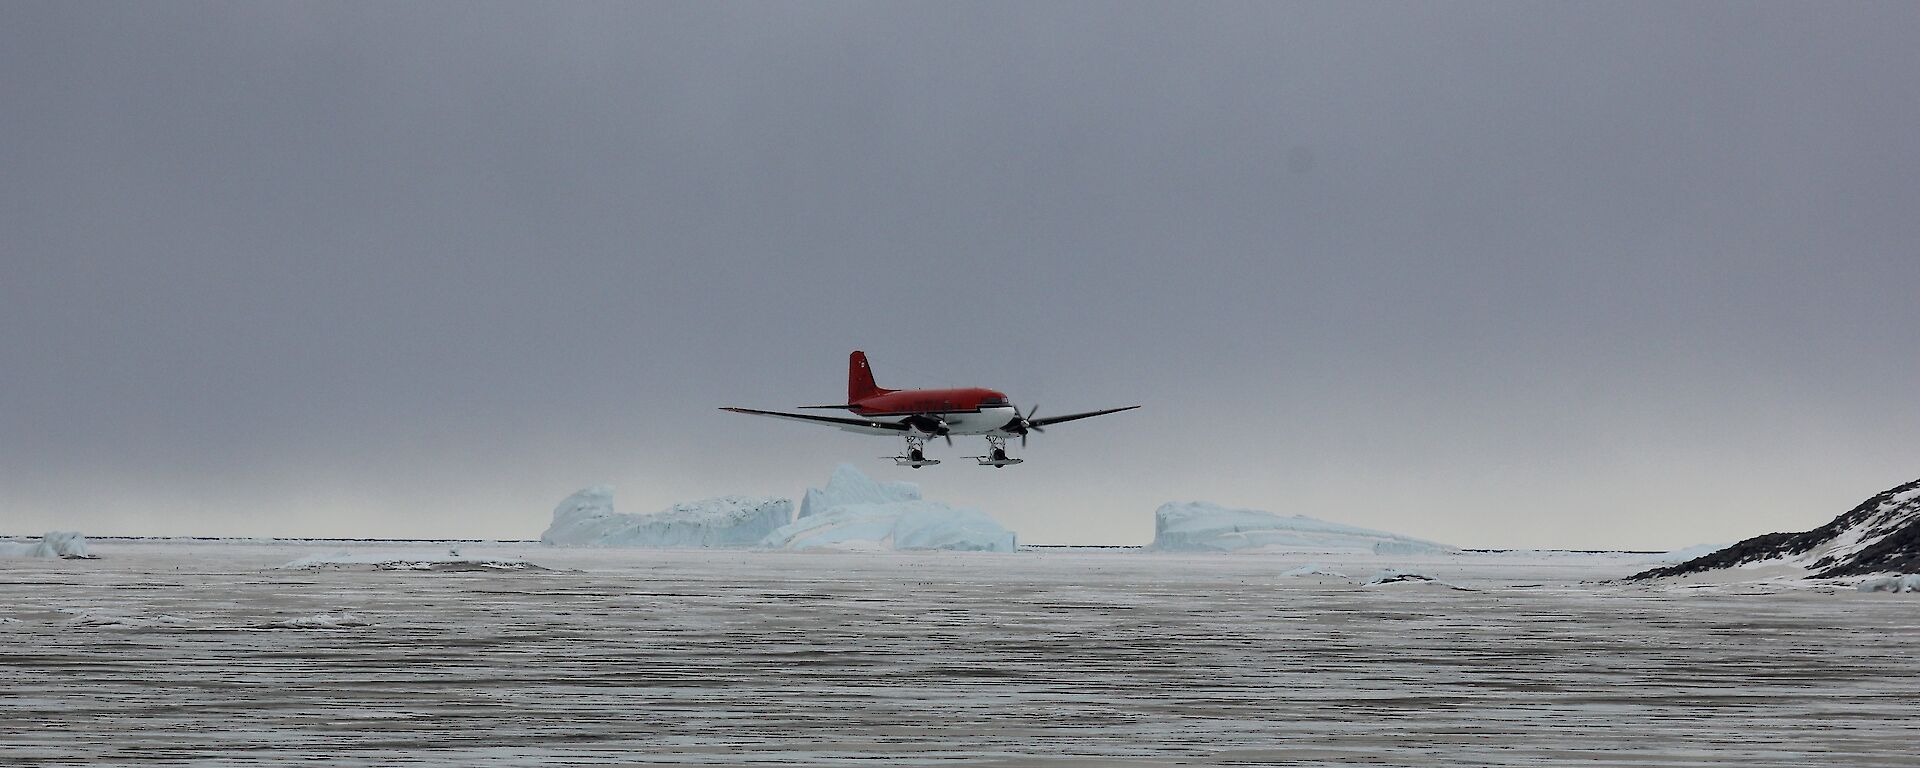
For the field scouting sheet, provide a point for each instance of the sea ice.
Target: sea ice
(853, 512)
(109, 619)
(318, 621)
(63, 544)
(587, 519)
(408, 561)
(1203, 527)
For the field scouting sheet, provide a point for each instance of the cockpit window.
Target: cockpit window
(994, 401)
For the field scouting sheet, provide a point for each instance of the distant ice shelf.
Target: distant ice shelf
(853, 512)
(69, 545)
(587, 519)
(1203, 527)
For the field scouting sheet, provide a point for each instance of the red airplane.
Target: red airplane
(917, 414)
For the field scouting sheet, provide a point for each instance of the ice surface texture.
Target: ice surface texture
(1050, 659)
(587, 519)
(854, 512)
(1202, 527)
(66, 544)
(407, 561)
(1880, 536)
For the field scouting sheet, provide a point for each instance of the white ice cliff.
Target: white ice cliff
(64, 544)
(587, 519)
(1895, 583)
(849, 485)
(854, 512)
(1203, 527)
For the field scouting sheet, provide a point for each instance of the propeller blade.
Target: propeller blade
(949, 439)
(1023, 439)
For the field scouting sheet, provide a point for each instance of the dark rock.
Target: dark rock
(1887, 526)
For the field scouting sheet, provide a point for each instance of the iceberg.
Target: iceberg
(1894, 583)
(587, 519)
(854, 512)
(849, 485)
(62, 544)
(1202, 527)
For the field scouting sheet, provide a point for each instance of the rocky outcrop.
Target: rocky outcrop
(1882, 535)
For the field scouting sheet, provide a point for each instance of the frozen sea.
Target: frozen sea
(204, 654)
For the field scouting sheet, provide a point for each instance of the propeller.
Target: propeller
(932, 425)
(1021, 425)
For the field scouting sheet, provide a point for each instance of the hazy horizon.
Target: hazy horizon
(1598, 276)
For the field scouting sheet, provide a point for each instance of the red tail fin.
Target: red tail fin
(860, 384)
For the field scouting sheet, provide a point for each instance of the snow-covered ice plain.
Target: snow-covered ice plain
(209, 653)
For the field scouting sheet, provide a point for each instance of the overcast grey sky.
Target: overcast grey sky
(1498, 274)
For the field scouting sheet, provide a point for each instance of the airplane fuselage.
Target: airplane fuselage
(966, 411)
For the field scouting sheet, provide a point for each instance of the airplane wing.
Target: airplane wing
(851, 425)
(1052, 420)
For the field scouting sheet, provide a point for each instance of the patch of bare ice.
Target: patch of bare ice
(451, 560)
(321, 621)
(1396, 577)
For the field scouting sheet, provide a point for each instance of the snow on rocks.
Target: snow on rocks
(587, 519)
(68, 545)
(1203, 527)
(1881, 535)
(854, 512)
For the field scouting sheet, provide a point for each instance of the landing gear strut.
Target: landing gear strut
(916, 452)
(996, 454)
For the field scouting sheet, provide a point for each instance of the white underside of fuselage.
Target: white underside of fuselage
(986, 421)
